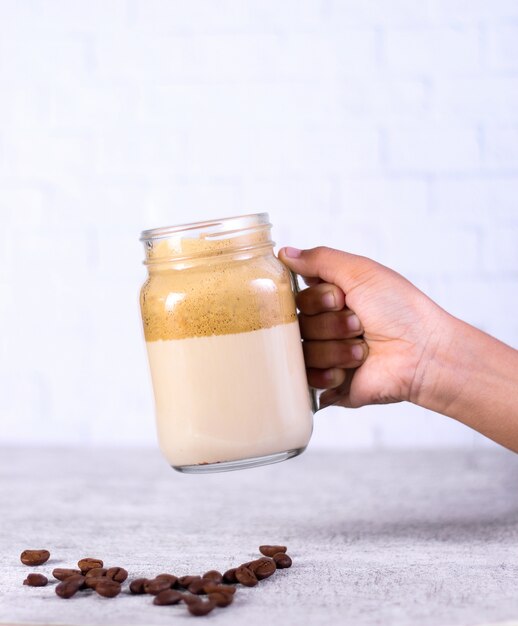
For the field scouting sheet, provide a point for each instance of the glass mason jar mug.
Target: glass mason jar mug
(224, 346)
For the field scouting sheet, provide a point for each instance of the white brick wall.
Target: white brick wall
(385, 127)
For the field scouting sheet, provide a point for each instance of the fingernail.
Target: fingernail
(329, 300)
(353, 321)
(357, 352)
(330, 375)
(292, 253)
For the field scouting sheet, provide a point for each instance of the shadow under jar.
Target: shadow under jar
(224, 346)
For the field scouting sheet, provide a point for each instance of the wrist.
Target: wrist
(471, 377)
(440, 375)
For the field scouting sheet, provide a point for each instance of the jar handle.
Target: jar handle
(314, 394)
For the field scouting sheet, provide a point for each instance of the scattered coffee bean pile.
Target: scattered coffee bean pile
(167, 589)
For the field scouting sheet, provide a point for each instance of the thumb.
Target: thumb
(330, 265)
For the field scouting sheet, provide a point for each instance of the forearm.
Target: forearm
(473, 378)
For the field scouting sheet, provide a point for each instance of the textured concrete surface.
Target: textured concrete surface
(392, 538)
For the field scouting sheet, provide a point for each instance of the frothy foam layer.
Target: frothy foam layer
(222, 294)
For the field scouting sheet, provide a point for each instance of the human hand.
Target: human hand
(369, 334)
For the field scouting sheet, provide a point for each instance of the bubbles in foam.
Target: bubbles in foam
(221, 291)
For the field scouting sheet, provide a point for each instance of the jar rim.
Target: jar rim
(214, 226)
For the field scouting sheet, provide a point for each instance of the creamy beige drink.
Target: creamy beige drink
(228, 397)
(224, 350)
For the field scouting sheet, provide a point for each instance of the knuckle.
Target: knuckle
(320, 251)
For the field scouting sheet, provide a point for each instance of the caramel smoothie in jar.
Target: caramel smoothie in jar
(224, 346)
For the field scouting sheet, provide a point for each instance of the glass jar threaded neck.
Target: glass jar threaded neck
(200, 240)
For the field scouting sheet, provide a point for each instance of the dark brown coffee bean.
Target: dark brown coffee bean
(169, 577)
(61, 573)
(188, 598)
(200, 607)
(78, 579)
(246, 577)
(92, 581)
(196, 586)
(118, 574)
(108, 588)
(88, 563)
(282, 560)
(36, 580)
(68, 587)
(34, 557)
(264, 568)
(96, 572)
(168, 596)
(229, 576)
(137, 586)
(213, 575)
(253, 565)
(185, 581)
(271, 550)
(221, 599)
(211, 587)
(154, 587)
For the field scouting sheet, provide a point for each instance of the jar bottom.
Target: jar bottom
(229, 466)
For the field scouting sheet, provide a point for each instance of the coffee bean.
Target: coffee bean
(200, 607)
(253, 565)
(271, 550)
(196, 586)
(61, 573)
(137, 586)
(219, 588)
(221, 599)
(168, 596)
(92, 581)
(118, 574)
(263, 568)
(282, 560)
(229, 576)
(108, 588)
(245, 576)
(213, 575)
(169, 577)
(34, 557)
(78, 579)
(211, 587)
(154, 587)
(96, 572)
(36, 580)
(188, 598)
(88, 563)
(68, 587)
(185, 581)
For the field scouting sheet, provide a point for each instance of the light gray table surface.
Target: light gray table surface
(394, 538)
